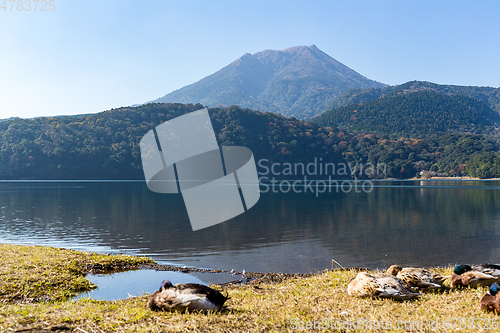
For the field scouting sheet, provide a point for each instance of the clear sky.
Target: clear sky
(94, 55)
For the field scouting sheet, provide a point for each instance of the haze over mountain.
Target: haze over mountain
(299, 81)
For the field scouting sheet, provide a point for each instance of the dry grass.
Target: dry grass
(320, 300)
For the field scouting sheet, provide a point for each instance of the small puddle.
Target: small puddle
(116, 286)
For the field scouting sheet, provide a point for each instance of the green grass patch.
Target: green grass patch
(34, 273)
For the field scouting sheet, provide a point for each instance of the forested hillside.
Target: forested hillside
(106, 145)
(443, 154)
(416, 114)
(490, 96)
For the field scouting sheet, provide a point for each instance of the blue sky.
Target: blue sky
(90, 56)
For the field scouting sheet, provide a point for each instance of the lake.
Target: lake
(422, 223)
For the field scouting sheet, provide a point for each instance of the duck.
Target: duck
(477, 275)
(491, 269)
(491, 300)
(186, 296)
(381, 285)
(420, 278)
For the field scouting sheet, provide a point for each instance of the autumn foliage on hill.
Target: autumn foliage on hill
(106, 145)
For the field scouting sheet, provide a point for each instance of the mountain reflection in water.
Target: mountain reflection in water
(427, 223)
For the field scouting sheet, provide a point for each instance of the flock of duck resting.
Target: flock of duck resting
(398, 283)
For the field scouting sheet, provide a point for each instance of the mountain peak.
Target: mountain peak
(294, 50)
(298, 81)
(300, 48)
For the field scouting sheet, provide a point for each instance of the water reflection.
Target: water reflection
(437, 223)
(136, 283)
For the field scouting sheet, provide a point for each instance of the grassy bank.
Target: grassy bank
(35, 273)
(283, 306)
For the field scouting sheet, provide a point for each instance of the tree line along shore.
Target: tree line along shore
(106, 145)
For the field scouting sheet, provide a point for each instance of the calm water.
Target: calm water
(136, 283)
(408, 223)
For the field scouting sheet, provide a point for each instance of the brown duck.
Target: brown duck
(421, 278)
(381, 285)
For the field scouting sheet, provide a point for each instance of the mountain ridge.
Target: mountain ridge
(417, 114)
(488, 95)
(298, 81)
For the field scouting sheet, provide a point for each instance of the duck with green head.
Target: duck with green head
(491, 300)
(473, 276)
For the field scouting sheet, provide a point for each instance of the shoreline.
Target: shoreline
(442, 178)
(454, 178)
(247, 277)
(142, 180)
(288, 303)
